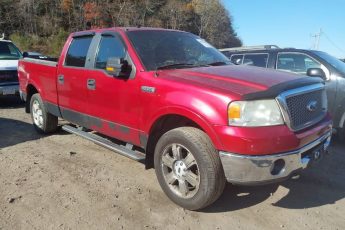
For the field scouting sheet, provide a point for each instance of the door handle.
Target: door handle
(91, 84)
(61, 79)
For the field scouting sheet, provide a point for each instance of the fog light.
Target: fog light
(278, 167)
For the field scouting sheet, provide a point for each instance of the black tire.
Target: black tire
(49, 122)
(341, 135)
(210, 171)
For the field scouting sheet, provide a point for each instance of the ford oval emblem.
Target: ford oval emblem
(312, 106)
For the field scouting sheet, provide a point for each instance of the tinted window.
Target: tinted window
(77, 52)
(295, 62)
(259, 60)
(109, 47)
(9, 51)
(237, 59)
(226, 53)
(159, 49)
(340, 66)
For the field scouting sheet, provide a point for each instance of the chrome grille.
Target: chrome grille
(303, 107)
(7, 76)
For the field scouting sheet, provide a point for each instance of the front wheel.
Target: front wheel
(43, 121)
(188, 168)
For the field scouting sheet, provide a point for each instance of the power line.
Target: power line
(327, 37)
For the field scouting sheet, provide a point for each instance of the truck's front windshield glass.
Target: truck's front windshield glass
(174, 49)
(336, 63)
(8, 51)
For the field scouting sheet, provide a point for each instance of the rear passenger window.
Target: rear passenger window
(77, 52)
(259, 60)
(109, 46)
(236, 59)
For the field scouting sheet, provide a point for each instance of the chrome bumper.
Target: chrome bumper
(246, 169)
(9, 89)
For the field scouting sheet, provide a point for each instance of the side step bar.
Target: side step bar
(134, 155)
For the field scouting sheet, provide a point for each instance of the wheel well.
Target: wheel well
(161, 126)
(31, 90)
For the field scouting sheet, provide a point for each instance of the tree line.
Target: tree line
(43, 25)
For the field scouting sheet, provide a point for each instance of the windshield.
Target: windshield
(8, 51)
(336, 63)
(173, 49)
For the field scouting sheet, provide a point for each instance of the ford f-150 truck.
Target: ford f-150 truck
(171, 100)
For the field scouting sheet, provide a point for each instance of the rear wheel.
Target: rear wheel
(188, 168)
(43, 121)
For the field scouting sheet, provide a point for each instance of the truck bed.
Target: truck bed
(45, 76)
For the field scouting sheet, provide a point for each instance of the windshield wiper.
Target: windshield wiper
(176, 65)
(217, 63)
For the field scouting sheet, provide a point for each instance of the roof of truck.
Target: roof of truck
(123, 29)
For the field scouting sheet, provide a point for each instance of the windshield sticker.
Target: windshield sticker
(204, 43)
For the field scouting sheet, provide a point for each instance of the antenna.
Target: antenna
(317, 39)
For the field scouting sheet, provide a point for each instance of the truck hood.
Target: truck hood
(8, 64)
(240, 80)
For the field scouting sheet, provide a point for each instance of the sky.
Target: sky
(290, 23)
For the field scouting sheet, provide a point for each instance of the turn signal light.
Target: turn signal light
(234, 111)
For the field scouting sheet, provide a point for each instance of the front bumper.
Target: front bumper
(12, 89)
(251, 170)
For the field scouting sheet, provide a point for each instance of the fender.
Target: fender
(34, 84)
(195, 117)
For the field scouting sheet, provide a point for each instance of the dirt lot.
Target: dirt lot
(65, 182)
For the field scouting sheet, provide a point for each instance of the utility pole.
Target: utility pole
(317, 39)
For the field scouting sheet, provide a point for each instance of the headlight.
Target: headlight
(254, 113)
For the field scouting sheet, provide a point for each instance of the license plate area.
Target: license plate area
(9, 91)
(317, 153)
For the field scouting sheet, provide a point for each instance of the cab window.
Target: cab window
(259, 60)
(110, 46)
(77, 52)
(296, 62)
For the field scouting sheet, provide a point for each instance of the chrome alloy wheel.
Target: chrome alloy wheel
(180, 170)
(37, 114)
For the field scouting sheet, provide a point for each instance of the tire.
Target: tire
(341, 134)
(175, 167)
(43, 121)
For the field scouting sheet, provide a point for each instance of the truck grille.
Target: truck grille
(304, 106)
(8, 76)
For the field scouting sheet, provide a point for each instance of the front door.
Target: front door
(113, 102)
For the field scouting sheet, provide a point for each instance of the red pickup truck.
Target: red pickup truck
(171, 100)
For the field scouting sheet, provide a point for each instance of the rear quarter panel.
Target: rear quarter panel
(42, 77)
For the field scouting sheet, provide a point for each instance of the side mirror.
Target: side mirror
(316, 72)
(118, 67)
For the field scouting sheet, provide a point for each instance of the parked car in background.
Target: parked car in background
(9, 56)
(303, 62)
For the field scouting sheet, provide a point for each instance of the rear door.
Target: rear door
(72, 81)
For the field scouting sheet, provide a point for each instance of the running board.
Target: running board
(134, 155)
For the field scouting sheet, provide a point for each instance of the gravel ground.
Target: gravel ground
(62, 181)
